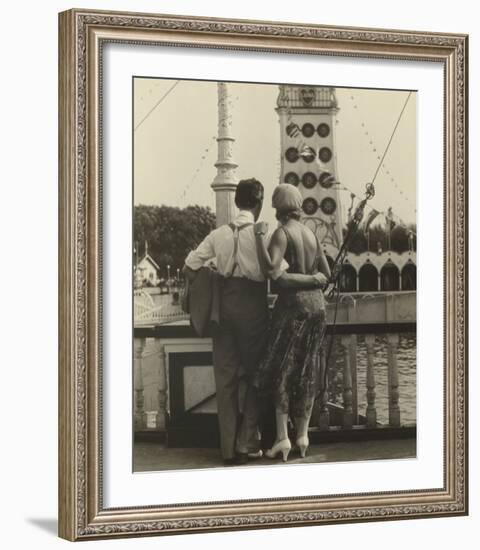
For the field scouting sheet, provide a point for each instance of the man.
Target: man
(240, 339)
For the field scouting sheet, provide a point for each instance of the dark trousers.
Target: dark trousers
(238, 346)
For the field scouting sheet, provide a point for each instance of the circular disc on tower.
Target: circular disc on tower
(325, 154)
(292, 178)
(310, 206)
(307, 154)
(309, 180)
(291, 154)
(323, 129)
(293, 130)
(326, 180)
(308, 129)
(328, 206)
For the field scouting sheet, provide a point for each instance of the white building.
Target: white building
(147, 270)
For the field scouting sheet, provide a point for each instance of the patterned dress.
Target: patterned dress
(290, 371)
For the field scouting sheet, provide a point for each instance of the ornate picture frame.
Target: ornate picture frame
(83, 35)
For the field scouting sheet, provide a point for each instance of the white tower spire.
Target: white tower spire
(225, 181)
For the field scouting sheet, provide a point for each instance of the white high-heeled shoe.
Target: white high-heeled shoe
(282, 446)
(302, 444)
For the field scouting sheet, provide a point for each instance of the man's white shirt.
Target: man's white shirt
(219, 244)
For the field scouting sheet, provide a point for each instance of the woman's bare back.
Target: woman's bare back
(305, 246)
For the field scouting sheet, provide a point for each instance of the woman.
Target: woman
(291, 367)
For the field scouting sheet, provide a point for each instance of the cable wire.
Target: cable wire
(391, 137)
(156, 105)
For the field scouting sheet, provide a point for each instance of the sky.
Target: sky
(175, 148)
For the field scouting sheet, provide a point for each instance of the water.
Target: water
(407, 375)
(406, 361)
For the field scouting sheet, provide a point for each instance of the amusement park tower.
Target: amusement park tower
(307, 148)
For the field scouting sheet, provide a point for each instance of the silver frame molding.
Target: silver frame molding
(82, 35)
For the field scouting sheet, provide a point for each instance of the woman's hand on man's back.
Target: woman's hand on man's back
(260, 228)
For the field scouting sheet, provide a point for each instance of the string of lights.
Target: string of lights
(374, 149)
(183, 195)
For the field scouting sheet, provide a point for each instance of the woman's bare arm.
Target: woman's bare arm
(300, 280)
(263, 254)
(323, 266)
(277, 249)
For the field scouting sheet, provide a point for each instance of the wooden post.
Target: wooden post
(347, 384)
(352, 318)
(393, 393)
(139, 345)
(371, 409)
(162, 391)
(353, 374)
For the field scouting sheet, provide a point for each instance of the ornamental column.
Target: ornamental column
(225, 181)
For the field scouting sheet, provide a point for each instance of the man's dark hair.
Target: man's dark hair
(249, 193)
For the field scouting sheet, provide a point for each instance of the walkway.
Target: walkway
(155, 456)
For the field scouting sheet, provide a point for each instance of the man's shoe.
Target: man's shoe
(241, 458)
(238, 460)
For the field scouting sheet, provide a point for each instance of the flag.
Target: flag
(349, 213)
(389, 219)
(368, 222)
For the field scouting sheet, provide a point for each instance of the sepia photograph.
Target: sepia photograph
(263, 274)
(273, 274)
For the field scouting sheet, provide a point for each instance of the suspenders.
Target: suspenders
(236, 230)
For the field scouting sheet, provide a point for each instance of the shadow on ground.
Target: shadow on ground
(49, 525)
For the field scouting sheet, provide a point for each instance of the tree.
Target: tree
(171, 232)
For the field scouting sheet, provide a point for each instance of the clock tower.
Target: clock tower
(307, 143)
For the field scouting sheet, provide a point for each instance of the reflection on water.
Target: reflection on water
(407, 374)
